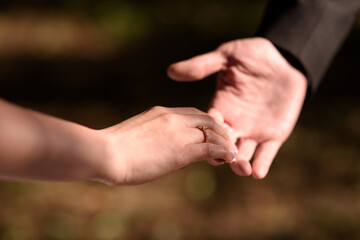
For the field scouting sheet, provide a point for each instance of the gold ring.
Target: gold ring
(206, 133)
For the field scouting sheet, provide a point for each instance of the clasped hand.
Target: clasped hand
(259, 94)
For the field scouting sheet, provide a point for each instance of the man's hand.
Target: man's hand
(259, 94)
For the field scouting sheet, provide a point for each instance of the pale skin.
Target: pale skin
(259, 95)
(35, 146)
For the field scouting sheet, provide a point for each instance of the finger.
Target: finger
(264, 156)
(214, 138)
(195, 121)
(198, 67)
(216, 162)
(246, 149)
(241, 167)
(233, 135)
(216, 114)
(207, 151)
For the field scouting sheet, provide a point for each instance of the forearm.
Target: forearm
(35, 146)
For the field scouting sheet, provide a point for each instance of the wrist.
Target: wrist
(106, 167)
(87, 152)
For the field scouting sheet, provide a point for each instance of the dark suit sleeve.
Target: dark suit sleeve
(309, 32)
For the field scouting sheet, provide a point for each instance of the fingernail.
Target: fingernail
(235, 149)
(233, 155)
(227, 127)
(219, 161)
(244, 168)
(261, 172)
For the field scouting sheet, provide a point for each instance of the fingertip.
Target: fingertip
(241, 168)
(260, 172)
(188, 70)
(245, 167)
(228, 128)
(246, 150)
(198, 67)
(172, 72)
(215, 162)
(264, 157)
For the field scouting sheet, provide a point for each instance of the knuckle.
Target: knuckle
(195, 110)
(170, 118)
(225, 46)
(158, 109)
(210, 120)
(262, 40)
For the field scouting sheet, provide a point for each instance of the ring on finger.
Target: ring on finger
(204, 129)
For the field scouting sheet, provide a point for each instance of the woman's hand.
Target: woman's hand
(160, 141)
(35, 146)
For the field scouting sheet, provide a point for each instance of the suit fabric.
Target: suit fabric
(309, 32)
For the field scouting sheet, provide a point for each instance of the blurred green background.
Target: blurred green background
(100, 62)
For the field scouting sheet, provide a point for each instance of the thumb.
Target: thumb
(198, 67)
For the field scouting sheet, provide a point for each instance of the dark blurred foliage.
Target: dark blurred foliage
(100, 62)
